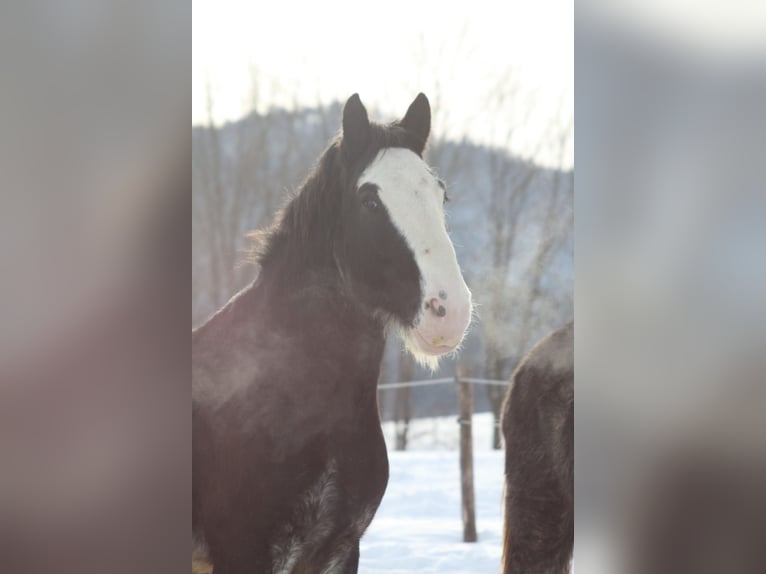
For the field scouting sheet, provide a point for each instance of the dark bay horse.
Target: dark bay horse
(289, 462)
(538, 429)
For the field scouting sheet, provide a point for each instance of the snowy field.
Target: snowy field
(442, 433)
(418, 527)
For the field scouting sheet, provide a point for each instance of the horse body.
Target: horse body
(289, 461)
(302, 445)
(538, 429)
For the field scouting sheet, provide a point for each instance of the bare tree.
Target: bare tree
(208, 194)
(225, 168)
(557, 224)
(509, 197)
(509, 300)
(241, 174)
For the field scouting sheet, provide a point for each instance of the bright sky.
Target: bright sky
(308, 52)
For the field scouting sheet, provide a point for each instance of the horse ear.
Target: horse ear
(417, 120)
(356, 125)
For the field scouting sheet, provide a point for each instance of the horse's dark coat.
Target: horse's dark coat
(538, 428)
(289, 460)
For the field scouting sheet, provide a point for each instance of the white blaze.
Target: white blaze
(415, 203)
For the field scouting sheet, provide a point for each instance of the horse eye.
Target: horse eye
(369, 195)
(370, 203)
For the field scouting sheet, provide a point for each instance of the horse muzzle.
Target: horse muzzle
(443, 322)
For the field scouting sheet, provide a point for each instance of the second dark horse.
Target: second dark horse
(538, 429)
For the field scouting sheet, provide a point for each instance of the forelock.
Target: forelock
(383, 136)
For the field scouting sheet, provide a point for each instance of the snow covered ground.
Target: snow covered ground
(418, 527)
(442, 433)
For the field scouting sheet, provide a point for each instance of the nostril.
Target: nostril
(436, 308)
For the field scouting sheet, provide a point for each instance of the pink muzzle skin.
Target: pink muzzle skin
(442, 324)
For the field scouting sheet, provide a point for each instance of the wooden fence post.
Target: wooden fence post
(465, 400)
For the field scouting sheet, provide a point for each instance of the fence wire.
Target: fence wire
(444, 381)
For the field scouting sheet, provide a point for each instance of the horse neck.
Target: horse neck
(316, 300)
(312, 329)
(317, 335)
(300, 294)
(299, 274)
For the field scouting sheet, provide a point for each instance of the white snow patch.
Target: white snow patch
(418, 527)
(442, 433)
